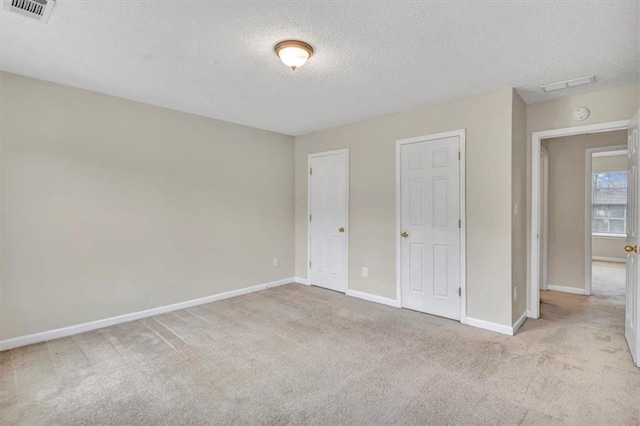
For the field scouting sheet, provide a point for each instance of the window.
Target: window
(609, 204)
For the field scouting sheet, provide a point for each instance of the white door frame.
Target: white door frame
(463, 235)
(534, 226)
(344, 151)
(588, 194)
(544, 231)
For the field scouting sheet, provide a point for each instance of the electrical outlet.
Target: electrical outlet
(275, 262)
(515, 293)
(515, 209)
(365, 272)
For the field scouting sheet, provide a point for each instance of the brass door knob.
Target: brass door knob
(405, 234)
(341, 230)
(631, 249)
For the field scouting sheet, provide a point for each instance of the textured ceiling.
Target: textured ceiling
(371, 58)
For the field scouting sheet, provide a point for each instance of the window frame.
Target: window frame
(594, 187)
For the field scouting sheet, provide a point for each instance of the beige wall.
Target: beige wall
(487, 120)
(607, 105)
(610, 163)
(519, 197)
(611, 248)
(111, 206)
(567, 204)
(608, 247)
(619, 103)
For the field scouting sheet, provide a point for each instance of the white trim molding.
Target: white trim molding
(461, 134)
(519, 322)
(611, 153)
(491, 326)
(609, 259)
(374, 298)
(544, 218)
(499, 328)
(300, 280)
(565, 289)
(601, 236)
(106, 322)
(534, 223)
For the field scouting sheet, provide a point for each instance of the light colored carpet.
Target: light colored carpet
(608, 279)
(304, 355)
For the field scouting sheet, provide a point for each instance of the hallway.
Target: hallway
(589, 321)
(609, 280)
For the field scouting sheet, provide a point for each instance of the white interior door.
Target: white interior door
(430, 223)
(633, 266)
(328, 219)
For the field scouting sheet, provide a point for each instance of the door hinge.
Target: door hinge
(309, 218)
(309, 264)
(459, 223)
(310, 171)
(460, 291)
(459, 155)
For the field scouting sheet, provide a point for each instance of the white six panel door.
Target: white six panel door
(633, 218)
(430, 214)
(328, 220)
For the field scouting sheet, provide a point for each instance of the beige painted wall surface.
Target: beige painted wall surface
(519, 197)
(607, 105)
(487, 120)
(112, 206)
(608, 247)
(567, 204)
(611, 163)
(619, 103)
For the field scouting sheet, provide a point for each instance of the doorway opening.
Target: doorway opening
(603, 214)
(583, 213)
(560, 189)
(583, 231)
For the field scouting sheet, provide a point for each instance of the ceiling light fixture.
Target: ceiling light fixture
(569, 83)
(293, 53)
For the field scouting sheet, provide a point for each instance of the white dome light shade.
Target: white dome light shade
(293, 53)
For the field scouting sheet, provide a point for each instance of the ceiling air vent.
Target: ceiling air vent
(36, 9)
(568, 84)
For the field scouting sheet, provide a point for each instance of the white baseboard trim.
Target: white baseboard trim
(373, 298)
(572, 290)
(491, 326)
(609, 259)
(519, 322)
(299, 280)
(106, 322)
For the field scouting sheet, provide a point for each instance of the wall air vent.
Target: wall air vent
(36, 9)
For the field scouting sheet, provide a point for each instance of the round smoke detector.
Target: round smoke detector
(580, 114)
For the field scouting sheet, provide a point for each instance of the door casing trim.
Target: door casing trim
(463, 234)
(344, 151)
(545, 231)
